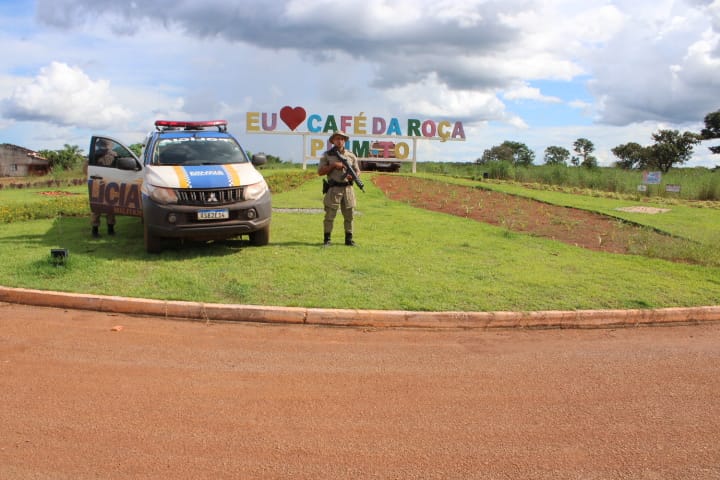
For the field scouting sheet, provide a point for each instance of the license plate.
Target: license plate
(213, 214)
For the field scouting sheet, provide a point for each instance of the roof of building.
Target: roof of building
(34, 158)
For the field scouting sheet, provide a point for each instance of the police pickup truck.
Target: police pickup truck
(193, 180)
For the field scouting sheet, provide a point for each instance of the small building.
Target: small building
(21, 162)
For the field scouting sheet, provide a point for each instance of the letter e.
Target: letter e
(252, 122)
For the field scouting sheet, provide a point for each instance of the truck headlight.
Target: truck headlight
(255, 190)
(162, 195)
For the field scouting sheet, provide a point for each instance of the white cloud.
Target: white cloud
(432, 98)
(651, 70)
(476, 45)
(525, 92)
(67, 96)
(488, 63)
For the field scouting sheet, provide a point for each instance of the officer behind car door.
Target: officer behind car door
(338, 187)
(105, 156)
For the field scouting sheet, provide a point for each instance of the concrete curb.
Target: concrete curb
(363, 318)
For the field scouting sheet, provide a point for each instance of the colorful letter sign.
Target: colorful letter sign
(355, 125)
(299, 122)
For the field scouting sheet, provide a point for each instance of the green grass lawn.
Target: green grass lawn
(407, 259)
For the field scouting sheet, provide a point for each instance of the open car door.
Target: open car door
(114, 178)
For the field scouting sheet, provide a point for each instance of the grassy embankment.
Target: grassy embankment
(408, 259)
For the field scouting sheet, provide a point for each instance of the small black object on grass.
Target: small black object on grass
(59, 256)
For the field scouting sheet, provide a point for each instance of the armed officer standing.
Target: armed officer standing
(342, 170)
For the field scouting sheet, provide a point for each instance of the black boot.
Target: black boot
(95, 232)
(326, 239)
(111, 229)
(348, 239)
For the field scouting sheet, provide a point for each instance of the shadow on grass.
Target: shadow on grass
(74, 234)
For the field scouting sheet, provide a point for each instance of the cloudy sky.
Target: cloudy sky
(541, 72)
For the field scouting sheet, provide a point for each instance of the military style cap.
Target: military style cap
(339, 133)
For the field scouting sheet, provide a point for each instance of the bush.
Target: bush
(554, 175)
(710, 189)
(500, 170)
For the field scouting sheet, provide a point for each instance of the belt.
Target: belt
(339, 184)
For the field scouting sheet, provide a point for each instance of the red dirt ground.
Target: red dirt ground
(167, 399)
(569, 225)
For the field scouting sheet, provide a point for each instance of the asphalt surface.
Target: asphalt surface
(101, 394)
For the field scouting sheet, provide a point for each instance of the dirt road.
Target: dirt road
(164, 399)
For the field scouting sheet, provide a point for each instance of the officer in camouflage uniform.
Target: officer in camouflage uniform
(340, 193)
(105, 156)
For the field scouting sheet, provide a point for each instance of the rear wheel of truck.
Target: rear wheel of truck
(261, 237)
(153, 244)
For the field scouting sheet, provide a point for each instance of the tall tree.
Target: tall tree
(631, 155)
(584, 148)
(513, 152)
(555, 155)
(497, 153)
(671, 148)
(712, 129)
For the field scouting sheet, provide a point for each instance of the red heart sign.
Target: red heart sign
(292, 116)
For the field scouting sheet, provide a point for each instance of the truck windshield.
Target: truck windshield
(197, 151)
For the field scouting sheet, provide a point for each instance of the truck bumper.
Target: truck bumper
(182, 221)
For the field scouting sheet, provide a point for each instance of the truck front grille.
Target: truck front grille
(221, 196)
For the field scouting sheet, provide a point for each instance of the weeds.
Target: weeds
(568, 224)
(698, 184)
(69, 206)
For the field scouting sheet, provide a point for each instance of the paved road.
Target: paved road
(161, 399)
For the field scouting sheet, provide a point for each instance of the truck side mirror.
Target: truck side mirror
(127, 163)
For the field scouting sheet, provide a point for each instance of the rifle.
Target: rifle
(348, 168)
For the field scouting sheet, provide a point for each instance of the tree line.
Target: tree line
(71, 156)
(671, 148)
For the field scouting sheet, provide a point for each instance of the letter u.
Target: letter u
(273, 125)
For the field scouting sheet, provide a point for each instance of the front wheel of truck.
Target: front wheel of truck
(260, 237)
(153, 244)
